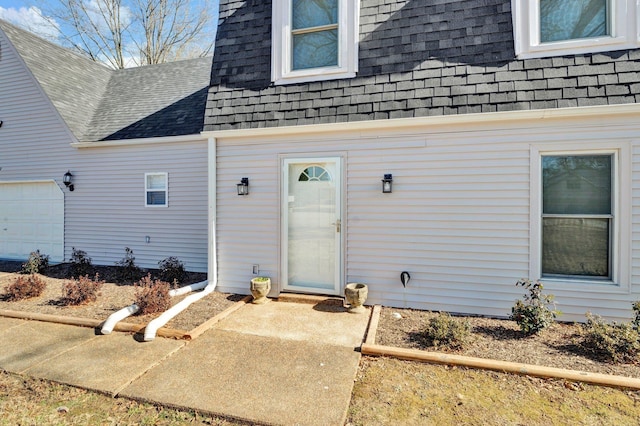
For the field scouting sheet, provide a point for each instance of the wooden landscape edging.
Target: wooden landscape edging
(124, 326)
(90, 323)
(370, 348)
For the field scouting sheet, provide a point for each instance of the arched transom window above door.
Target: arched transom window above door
(314, 174)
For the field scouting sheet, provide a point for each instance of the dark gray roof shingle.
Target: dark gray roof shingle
(99, 103)
(152, 101)
(416, 58)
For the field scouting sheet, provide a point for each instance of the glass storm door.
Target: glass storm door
(311, 246)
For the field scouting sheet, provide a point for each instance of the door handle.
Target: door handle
(337, 224)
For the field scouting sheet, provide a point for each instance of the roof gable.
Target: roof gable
(99, 103)
(74, 84)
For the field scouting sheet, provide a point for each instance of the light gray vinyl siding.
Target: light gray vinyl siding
(458, 219)
(106, 211)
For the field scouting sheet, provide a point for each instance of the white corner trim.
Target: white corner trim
(450, 120)
(141, 141)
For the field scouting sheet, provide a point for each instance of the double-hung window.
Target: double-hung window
(580, 229)
(314, 40)
(567, 27)
(156, 190)
(577, 215)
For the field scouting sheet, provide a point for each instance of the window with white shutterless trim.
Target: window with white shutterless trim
(314, 40)
(567, 27)
(580, 221)
(156, 192)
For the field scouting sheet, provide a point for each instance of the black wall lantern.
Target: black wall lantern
(387, 184)
(66, 179)
(243, 186)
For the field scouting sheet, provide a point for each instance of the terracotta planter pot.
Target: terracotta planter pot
(260, 287)
(356, 294)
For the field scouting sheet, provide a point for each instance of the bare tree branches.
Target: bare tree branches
(124, 33)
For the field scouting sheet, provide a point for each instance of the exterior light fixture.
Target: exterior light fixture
(387, 184)
(66, 179)
(243, 186)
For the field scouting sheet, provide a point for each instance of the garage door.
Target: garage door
(31, 218)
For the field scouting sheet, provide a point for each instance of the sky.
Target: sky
(25, 14)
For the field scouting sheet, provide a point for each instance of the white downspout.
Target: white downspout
(123, 313)
(152, 328)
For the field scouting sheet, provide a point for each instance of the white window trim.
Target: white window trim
(166, 189)
(621, 244)
(281, 45)
(526, 31)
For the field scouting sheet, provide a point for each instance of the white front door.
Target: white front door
(311, 214)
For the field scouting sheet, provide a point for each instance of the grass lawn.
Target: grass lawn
(391, 391)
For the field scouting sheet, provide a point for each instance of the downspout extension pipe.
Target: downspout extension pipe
(123, 313)
(118, 316)
(151, 329)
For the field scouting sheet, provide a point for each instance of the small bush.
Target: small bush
(25, 287)
(152, 296)
(81, 290)
(172, 270)
(129, 271)
(445, 331)
(636, 320)
(611, 342)
(537, 312)
(80, 263)
(36, 263)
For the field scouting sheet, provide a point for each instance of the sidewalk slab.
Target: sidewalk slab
(105, 363)
(7, 323)
(255, 378)
(317, 323)
(29, 343)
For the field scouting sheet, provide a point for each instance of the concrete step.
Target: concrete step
(310, 298)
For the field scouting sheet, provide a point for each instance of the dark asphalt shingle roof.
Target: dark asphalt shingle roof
(99, 103)
(417, 58)
(152, 101)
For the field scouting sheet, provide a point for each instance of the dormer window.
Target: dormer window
(567, 27)
(314, 40)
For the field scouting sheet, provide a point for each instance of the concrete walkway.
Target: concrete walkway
(279, 363)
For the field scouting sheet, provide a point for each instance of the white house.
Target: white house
(508, 134)
(129, 138)
(486, 114)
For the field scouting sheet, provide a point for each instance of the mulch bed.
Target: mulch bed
(501, 339)
(113, 296)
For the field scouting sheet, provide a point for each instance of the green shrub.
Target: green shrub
(537, 311)
(25, 287)
(446, 331)
(35, 264)
(81, 290)
(172, 270)
(80, 263)
(611, 342)
(152, 296)
(636, 320)
(129, 271)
